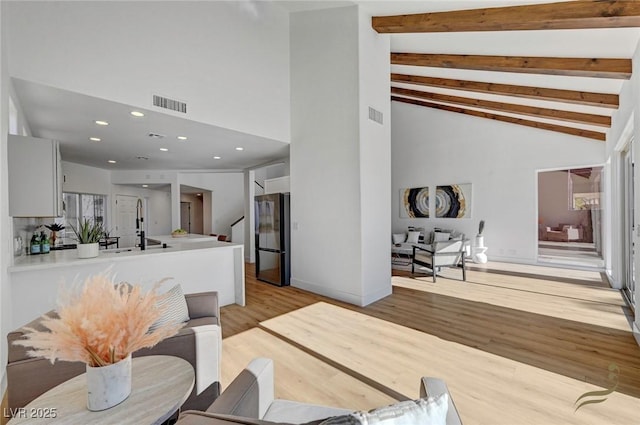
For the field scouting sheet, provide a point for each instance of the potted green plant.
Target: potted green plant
(88, 235)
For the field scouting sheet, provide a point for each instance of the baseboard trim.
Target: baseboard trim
(636, 333)
(327, 292)
(377, 295)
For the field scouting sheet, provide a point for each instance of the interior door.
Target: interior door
(126, 220)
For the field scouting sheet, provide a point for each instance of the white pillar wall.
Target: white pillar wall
(340, 162)
(6, 251)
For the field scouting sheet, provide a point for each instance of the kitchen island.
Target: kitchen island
(199, 266)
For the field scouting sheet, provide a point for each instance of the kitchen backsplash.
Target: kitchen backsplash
(24, 227)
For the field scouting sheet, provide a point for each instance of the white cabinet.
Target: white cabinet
(35, 177)
(277, 185)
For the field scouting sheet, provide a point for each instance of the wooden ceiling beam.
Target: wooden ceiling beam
(534, 124)
(555, 114)
(568, 96)
(564, 15)
(577, 67)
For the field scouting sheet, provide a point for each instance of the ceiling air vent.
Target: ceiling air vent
(375, 115)
(156, 135)
(166, 103)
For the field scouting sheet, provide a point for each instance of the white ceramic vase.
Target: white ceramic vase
(88, 250)
(479, 241)
(109, 385)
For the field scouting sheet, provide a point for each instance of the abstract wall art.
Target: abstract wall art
(414, 202)
(453, 201)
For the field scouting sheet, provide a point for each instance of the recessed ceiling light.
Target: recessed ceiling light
(95, 139)
(182, 137)
(111, 161)
(101, 122)
(217, 157)
(145, 185)
(198, 194)
(239, 148)
(164, 149)
(137, 114)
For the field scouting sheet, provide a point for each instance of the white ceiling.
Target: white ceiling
(69, 117)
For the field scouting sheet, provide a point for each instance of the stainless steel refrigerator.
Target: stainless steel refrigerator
(273, 238)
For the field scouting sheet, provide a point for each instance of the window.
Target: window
(585, 188)
(84, 206)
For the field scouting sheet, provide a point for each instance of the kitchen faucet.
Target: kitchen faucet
(140, 224)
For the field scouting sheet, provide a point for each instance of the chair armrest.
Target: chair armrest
(250, 394)
(203, 304)
(433, 387)
(423, 248)
(196, 417)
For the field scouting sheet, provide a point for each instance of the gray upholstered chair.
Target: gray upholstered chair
(29, 377)
(250, 400)
(440, 254)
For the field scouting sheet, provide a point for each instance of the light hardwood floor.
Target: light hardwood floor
(531, 325)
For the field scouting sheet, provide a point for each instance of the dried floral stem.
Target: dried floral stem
(100, 324)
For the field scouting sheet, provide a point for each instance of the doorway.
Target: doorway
(195, 213)
(185, 216)
(570, 217)
(628, 223)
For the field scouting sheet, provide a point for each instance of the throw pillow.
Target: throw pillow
(424, 411)
(399, 238)
(440, 236)
(412, 237)
(176, 310)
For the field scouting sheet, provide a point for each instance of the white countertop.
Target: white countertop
(69, 257)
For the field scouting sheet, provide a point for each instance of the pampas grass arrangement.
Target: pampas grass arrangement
(100, 323)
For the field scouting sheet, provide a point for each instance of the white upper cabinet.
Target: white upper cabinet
(35, 177)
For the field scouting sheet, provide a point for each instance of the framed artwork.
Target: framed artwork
(414, 202)
(453, 201)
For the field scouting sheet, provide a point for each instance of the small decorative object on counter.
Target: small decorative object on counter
(54, 227)
(35, 244)
(179, 233)
(45, 247)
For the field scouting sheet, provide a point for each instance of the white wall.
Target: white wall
(157, 215)
(84, 179)
(339, 162)
(227, 197)
(158, 220)
(227, 193)
(5, 224)
(432, 147)
(629, 110)
(189, 51)
(375, 161)
(325, 206)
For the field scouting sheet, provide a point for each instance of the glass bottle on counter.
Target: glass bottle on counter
(35, 244)
(45, 246)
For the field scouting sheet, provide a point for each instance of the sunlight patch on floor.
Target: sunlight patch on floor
(488, 389)
(585, 304)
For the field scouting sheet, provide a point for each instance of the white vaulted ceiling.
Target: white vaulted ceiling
(68, 116)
